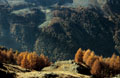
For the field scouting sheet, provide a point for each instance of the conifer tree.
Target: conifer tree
(117, 63)
(112, 61)
(24, 62)
(86, 55)
(96, 68)
(91, 59)
(79, 56)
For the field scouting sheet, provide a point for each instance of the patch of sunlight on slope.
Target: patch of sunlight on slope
(23, 12)
(16, 2)
(49, 16)
(77, 3)
(86, 3)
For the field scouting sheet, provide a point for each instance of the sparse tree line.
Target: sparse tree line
(29, 60)
(99, 67)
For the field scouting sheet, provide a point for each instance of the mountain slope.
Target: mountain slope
(65, 28)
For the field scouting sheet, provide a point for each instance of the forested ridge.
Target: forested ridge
(60, 29)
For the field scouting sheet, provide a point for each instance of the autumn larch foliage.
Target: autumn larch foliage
(29, 60)
(96, 68)
(91, 59)
(112, 61)
(117, 63)
(7, 56)
(100, 67)
(24, 61)
(86, 55)
(32, 60)
(79, 56)
(20, 57)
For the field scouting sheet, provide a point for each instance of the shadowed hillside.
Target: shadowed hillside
(58, 29)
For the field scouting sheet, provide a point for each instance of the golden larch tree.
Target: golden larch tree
(117, 63)
(24, 62)
(79, 56)
(20, 57)
(91, 59)
(112, 61)
(86, 55)
(96, 68)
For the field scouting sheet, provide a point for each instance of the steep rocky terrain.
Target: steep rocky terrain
(96, 27)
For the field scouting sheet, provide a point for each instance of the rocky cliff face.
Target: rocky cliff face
(96, 28)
